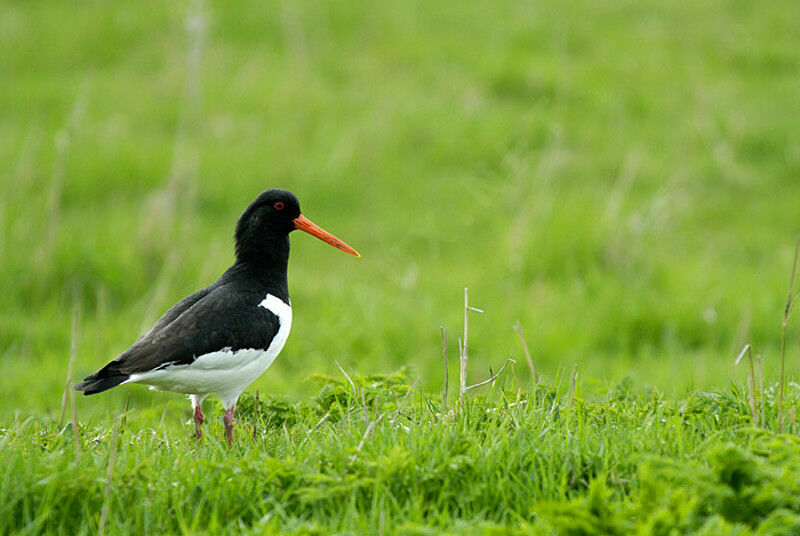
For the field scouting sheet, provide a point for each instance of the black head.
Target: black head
(263, 228)
(272, 213)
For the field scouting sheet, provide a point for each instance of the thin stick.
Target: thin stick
(574, 383)
(492, 375)
(446, 372)
(112, 458)
(531, 365)
(787, 310)
(463, 349)
(462, 381)
(72, 353)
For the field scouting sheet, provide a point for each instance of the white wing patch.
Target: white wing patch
(225, 372)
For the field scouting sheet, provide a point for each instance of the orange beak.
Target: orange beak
(304, 224)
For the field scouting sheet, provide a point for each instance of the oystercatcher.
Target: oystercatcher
(223, 337)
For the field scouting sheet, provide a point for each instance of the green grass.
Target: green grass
(620, 177)
(518, 462)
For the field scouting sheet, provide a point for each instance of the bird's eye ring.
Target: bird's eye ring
(278, 205)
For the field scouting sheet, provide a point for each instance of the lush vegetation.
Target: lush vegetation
(374, 455)
(620, 177)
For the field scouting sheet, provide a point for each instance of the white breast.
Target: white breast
(225, 372)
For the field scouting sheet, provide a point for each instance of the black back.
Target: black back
(226, 314)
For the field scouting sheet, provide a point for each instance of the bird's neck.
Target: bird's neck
(265, 262)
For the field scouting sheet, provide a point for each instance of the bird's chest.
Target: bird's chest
(284, 313)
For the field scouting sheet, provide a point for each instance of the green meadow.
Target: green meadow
(621, 178)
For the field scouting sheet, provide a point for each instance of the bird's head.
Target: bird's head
(274, 214)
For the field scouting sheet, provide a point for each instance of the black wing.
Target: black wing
(220, 317)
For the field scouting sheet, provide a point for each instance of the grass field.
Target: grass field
(622, 178)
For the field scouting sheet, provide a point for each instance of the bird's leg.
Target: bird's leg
(229, 420)
(199, 418)
(197, 413)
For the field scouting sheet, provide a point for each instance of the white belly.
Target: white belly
(226, 372)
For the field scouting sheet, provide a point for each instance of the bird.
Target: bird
(223, 337)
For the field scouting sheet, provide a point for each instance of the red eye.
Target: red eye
(278, 205)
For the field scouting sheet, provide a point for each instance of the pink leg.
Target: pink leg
(229, 420)
(199, 419)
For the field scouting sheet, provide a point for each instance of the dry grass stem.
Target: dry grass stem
(761, 389)
(573, 385)
(446, 372)
(751, 381)
(112, 458)
(63, 141)
(463, 345)
(492, 375)
(72, 353)
(255, 416)
(349, 379)
(364, 406)
(531, 364)
(124, 419)
(370, 428)
(76, 434)
(462, 371)
(786, 312)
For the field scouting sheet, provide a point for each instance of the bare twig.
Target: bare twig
(463, 352)
(446, 372)
(462, 371)
(464, 341)
(531, 365)
(786, 312)
(492, 375)
(112, 458)
(72, 352)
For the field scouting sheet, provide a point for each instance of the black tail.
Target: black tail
(97, 384)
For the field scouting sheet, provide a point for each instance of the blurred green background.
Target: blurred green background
(621, 177)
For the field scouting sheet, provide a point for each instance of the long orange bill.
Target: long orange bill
(304, 224)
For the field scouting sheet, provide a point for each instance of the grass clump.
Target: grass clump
(627, 460)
